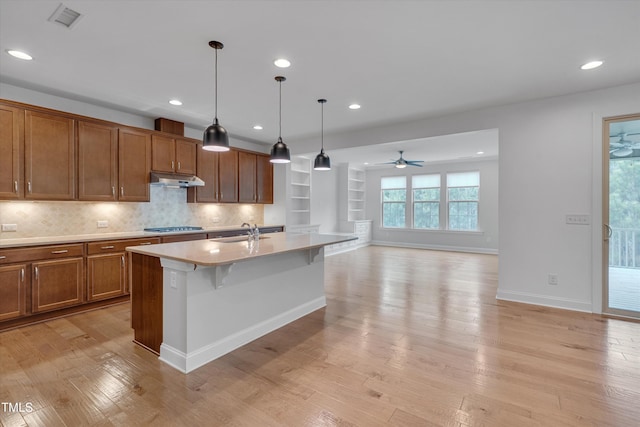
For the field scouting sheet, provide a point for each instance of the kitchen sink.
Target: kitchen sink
(235, 239)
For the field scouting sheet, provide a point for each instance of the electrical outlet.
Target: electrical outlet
(9, 227)
(103, 224)
(173, 280)
(215, 219)
(553, 279)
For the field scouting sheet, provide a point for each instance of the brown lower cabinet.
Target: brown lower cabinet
(13, 292)
(56, 284)
(106, 276)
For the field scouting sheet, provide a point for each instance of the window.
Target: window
(426, 201)
(394, 201)
(462, 200)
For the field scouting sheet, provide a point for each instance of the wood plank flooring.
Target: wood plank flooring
(408, 338)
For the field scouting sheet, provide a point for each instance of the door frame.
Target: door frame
(604, 253)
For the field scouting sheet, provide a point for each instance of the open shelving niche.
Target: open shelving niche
(299, 198)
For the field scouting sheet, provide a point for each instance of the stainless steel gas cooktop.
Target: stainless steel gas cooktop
(172, 229)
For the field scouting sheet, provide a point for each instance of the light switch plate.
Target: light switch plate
(578, 219)
(103, 224)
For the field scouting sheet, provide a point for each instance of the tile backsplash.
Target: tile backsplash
(168, 207)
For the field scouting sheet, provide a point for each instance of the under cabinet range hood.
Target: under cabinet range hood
(175, 180)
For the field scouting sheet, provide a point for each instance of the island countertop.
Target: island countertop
(213, 252)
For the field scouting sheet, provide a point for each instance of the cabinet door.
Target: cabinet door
(11, 155)
(228, 176)
(163, 151)
(106, 276)
(207, 170)
(264, 179)
(134, 165)
(49, 146)
(12, 291)
(56, 284)
(185, 157)
(97, 162)
(246, 177)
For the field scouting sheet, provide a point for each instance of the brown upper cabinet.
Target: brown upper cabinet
(219, 171)
(134, 165)
(11, 152)
(49, 146)
(97, 162)
(173, 155)
(255, 178)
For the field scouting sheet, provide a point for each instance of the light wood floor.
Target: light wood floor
(408, 338)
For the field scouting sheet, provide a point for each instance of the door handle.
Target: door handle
(609, 232)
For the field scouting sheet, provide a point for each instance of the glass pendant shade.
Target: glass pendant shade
(280, 152)
(215, 136)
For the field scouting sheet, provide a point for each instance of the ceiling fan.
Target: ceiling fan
(623, 147)
(402, 163)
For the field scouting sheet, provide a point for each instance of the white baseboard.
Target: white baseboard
(194, 359)
(545, 300)
(436, 247)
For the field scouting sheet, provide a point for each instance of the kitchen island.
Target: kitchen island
(192, 302)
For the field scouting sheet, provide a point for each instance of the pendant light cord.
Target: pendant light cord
(280, 112)
(216, 87)
(322, 125)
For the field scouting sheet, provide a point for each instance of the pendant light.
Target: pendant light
(216, 137)
(322, 162)
(279, 151)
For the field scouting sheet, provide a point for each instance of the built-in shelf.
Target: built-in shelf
(299, 192)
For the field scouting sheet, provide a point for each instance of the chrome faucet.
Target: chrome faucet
(253, 233)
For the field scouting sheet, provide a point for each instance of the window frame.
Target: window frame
(449, 202)
(383, 203)
(436, 202)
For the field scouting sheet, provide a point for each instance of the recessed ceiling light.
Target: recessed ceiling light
(282, 63)
(20, 55)
(175, 102)
(257, 127)
(591, 65)
(480, 152)
(354, 106)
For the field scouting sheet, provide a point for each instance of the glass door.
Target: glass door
(621, 215)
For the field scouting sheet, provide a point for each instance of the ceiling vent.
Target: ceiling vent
(65, 16)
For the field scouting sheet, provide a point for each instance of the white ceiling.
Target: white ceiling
(401, 60)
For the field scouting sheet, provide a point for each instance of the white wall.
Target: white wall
(484, 241)
(548, 167)
(324, 200)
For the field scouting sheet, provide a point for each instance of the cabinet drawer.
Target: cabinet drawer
(8, 256)
(110, 246)
(184, 237)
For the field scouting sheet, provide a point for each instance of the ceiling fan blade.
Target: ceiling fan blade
(622, 152)
(413, 163)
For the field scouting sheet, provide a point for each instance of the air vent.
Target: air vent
(65, 16)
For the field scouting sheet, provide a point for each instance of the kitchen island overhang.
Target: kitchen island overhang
(193, 302)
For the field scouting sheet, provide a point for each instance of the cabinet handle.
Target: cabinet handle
(107, 247)
(122, 191)
(113, 191)
(145, 243)
(3, 257)
(36, 271)
(172, 164)
(221, 196)
(62, 251)
(15, 185)
(122, 260)
(178, 165)
(22, 274)
(29, 186)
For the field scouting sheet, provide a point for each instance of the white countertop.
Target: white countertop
(78, 238)
(212, 252)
